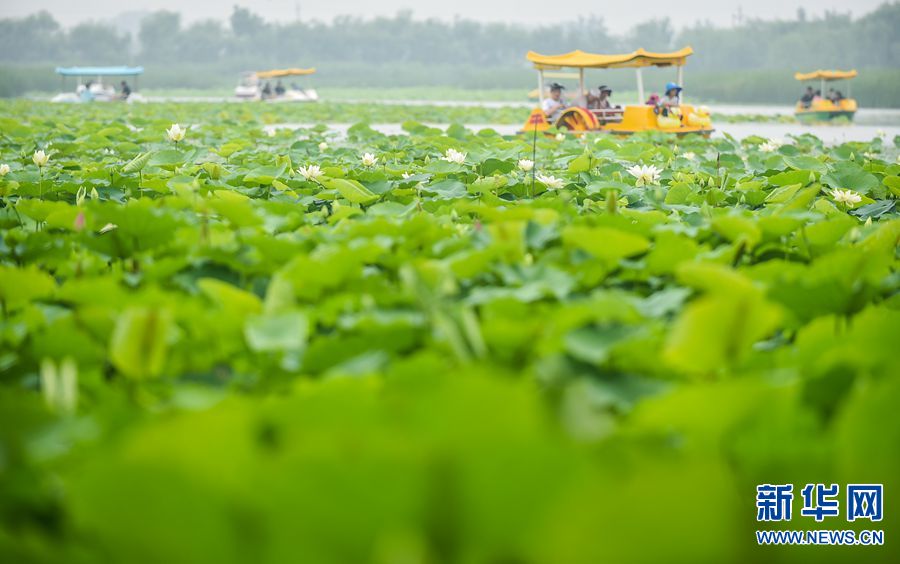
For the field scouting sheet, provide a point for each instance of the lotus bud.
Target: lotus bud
(40, 158)
(176, 133)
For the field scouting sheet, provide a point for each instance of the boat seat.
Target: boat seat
(609, 115)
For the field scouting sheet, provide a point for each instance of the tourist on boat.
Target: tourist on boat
(601, 100)
(125, 90)
(672, 99)
(673, 96)
(554, 105)
(807, 98)
(85, 94)
(653, 100)
(266, 91)
(279, 88)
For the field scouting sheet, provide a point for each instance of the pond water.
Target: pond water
(865, 116)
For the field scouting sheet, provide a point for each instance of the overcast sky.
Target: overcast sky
(681, 12)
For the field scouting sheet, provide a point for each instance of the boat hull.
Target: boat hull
(630, 120)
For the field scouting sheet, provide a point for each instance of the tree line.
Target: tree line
(248, 41)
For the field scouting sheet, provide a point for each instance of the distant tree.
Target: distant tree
(245, 23)
(160, 37)
(206, 42)
(653, 35)
(98, 44)
(249, 42)
(34, 38)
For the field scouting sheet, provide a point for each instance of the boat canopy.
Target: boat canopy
(639, 58)
(99, 71)
(278, 73)
(825, 75)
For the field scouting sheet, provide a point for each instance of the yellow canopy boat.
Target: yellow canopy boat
(281, 73)
(252, 87)
(631, 119)
(823, 108)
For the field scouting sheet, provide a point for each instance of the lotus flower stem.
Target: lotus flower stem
(533, 159)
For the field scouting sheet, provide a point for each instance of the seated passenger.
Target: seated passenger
(653, 100)
(807, 98)
(554, 105)
(125, 90)
(672, 98)
(279, 88)
(838, 96)
(87, 95)
(601, 100)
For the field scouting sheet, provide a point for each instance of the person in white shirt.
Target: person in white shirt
(554, 105)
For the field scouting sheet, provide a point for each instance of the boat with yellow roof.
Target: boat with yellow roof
(579, 117)
(822, 108)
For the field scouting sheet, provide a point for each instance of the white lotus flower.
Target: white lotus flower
(870, 155)
(406, 175)
(108, 227)
(645, 174)
(881, 133)
(454, 156)
(176, 132)
(847, 197)
(368, 159)
(551, 182)
(311, 172)
(323, 145)
(560, 137)
(271, 132)
(94, 194)
(40, 158)
(79, 196)
(4, 169)
(689, 155)
(770, 146)
(526, 164)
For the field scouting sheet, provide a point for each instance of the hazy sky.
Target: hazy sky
(681, 12)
